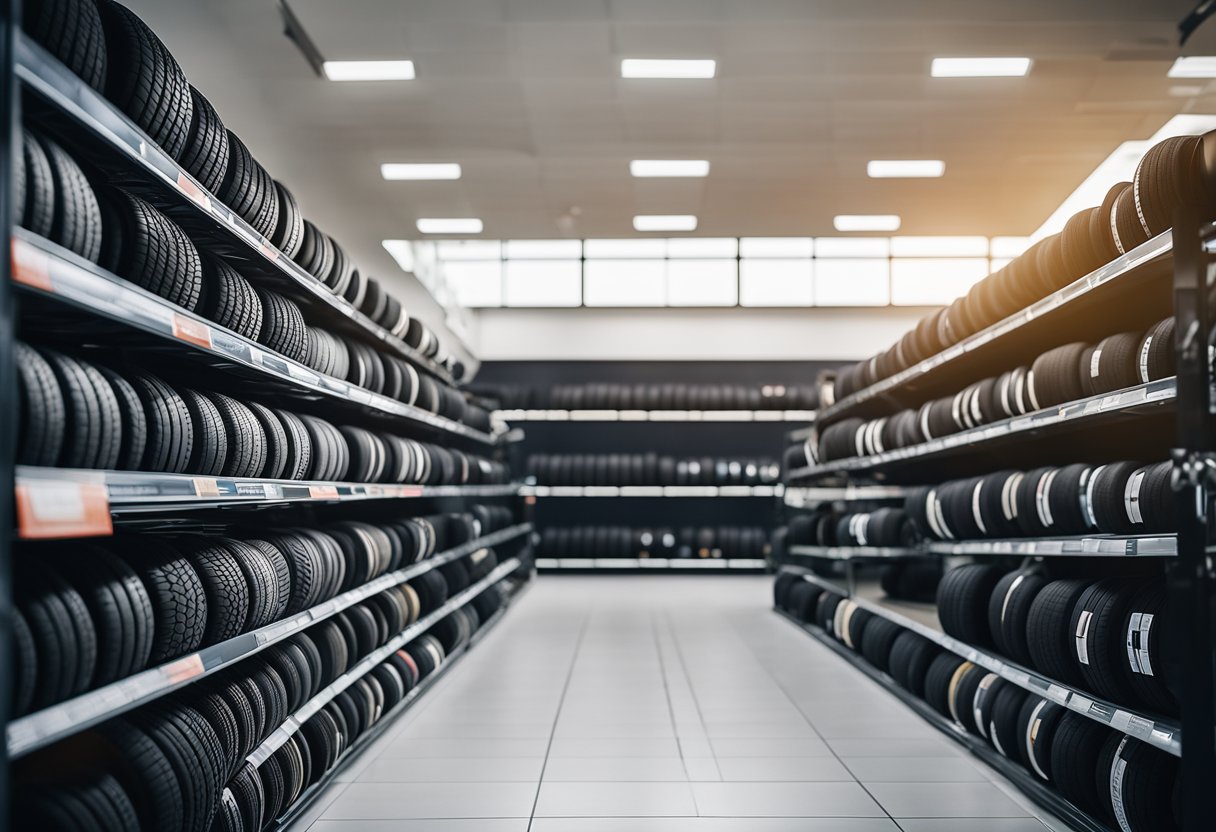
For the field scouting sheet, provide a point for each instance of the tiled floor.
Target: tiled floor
(662, 704)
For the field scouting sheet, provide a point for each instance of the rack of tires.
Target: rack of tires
(255, 516)
(986, 516)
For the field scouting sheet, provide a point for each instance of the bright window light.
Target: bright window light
(776, 247)
(702, 247)
(616, 249)
(1009, 247)
(665, 222)
(702, 282)
(368, 70)
(998, 263)
(625, 282)
(852, 246)
(980, 67)
(939, 246)
(477, 283)
(776, 282)
(402, 251)
(469, 250)
(403, 172)
(866, 222)
(905, 168)
(667, 68)
(543, 249)
(449, 225)
(920, 281)
(544, 282)
(853, 282)
(669, 167)
(1196, 66)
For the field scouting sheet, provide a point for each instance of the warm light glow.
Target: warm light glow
(411, 171)
(449, 225)
(667, 68)
(866, 222)
(368, 70)
(980, 67)
(665, 222)
(905, 168)
(669, 167)
(939, 246)
(1196, 66)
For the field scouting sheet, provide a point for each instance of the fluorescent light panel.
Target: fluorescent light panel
(368, 70)
(866, 222)
(668, 68)
(665, 222)
(939, 246)
(905, 168)
(1196, 66)
(449, 225)
(644, 168)
(980, 67)
(393, 171)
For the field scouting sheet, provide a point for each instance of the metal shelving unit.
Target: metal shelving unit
(543, 491)
(796, 496)
(45, 269)
(1098, 546)
(108, 129)
(1083, 413)
(1160, 733)
(1146, 263)
(855, 552)
(657, 415)
(39, 729)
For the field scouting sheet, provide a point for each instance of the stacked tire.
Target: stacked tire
(647, 469)
(626, 542)
(616, 396)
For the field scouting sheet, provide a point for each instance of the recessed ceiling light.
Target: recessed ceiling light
(368, 70)
(980, 67)
(669, 167)
(905, 168)
(441, 170)
(866, 222)
(667, 68)
(665, 222)
(1196, 66)
(449, 225)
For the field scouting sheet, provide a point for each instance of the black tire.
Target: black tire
(1147, 627)
(1039, 722)
(42, 416)
(210, 450)
(248, 189)
(179, 602)
(278, 447)
(1003, 730)
(1048, 638)
(134, 441)
(71, 31)
(143, 80)
(938, 681)
(1144, 787)
(146, 774)
(226, 590)
(878, 641)
(1008, 608)
(246, 439)
(35, 191)
(170, 431)
(911, 655)
(289, 229)
(25, 664)
(283, 329)
(76, 223)
(142, 245)
(48, 616)
(299, 446)
(1098, 625)
(94, 424)
(206, 153)
(228, 299)
(262, 580)
(962, 602)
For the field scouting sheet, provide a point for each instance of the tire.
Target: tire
(261, 579)
(71, 31)
(146, 773)
(48, 616)
(1003, 730)
(142, 245)
(283, 329)
(938, 681)
(1098, 625)
(143, 80)
(228, 299)
(961, 696)
(878, 641)
(246, 439)
(299, 446)
(25, 664)
(1048, 638)
(1147, 627)
(911, 655)
(94, 426)
(210, 451)
(1039, 721)
(1009, 610)
(179, 602)
(278, 447)
(248, 189)
(170, 430)
(206, 153)
(1109, 500)
(134, 442)
(962, 602)
(76, 221)
(226, 590)
(41, 412)
(316, 254)
(1142, 782)
(289, 228)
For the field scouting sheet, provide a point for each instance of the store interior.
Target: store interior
(608, 416)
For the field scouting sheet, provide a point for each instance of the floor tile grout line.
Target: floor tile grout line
(578, 645)
(658, 646)
(692, 690)
(822, 739)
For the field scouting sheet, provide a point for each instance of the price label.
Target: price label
(185, 669)
(323, 492)
(192, 190)
(63, 508)
(206, 487)
(31, 266)
(191, 331)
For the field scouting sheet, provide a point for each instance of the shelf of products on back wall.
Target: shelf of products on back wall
(189, 344)
(987, 514)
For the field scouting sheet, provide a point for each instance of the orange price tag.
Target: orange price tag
(206, 487)
(183, 670)
(190, 189)
(193, 332)
(31, 266)
(268, 251)
(58, 508)
(411, 491)
(323, 492)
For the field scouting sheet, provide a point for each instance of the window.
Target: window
(476, 282)
(776, 282)
(861, 281)
(702, 282)
(934, 281)
(625, 282)
(544, 283)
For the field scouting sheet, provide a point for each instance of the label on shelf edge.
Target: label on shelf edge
(31, 266)
(206, 487)
(193, 191)
(268, 251)
(63, 508)
(184, 669)
(191, 331)
(323, 492)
